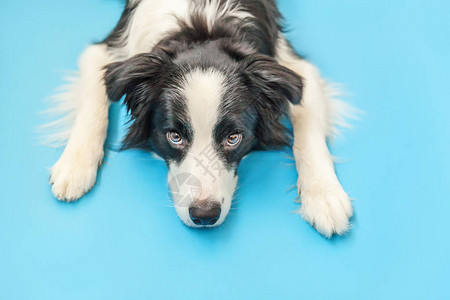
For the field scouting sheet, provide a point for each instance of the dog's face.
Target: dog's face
(203, 111)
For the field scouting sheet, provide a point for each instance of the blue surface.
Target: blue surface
(122, 241)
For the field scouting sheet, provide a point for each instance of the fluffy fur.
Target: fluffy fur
(205, 82)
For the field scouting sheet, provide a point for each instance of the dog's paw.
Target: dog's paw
(327, 208)
(72, 177)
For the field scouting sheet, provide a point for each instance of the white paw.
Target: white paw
(327, 208)
(72, 177)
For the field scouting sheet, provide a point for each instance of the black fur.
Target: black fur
(118, 35)
(258, 88)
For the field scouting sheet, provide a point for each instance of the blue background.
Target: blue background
(123, 241)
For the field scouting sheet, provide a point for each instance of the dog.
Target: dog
(205, 83)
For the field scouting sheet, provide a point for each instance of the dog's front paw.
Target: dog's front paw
(72, 176)
(327, 208)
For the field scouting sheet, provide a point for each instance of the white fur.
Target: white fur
(150, 21)
(83, 102)
(65, 105)
(325, 205)
(212, 11)
(203, 91)
(154, 18)
(75, 172)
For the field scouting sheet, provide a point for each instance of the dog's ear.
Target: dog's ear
(275, 82)
(272, 87)
(129, 76)
(141, 79)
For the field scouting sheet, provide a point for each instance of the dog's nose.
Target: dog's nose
(205, 214)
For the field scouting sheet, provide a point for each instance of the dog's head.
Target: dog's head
(203, 109)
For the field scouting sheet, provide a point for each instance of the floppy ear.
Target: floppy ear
(140, 79)
(273, 87)
(277, 83)
(124, 78)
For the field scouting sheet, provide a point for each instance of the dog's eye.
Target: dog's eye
(234, 139)
(174, 138)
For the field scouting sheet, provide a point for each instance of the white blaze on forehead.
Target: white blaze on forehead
(204, 169)
(203, 90)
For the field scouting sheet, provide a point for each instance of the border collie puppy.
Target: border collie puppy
(205, 83)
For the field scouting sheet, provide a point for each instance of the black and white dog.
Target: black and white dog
(204, 78)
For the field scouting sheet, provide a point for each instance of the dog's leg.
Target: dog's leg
(325, 205)
(76, 170)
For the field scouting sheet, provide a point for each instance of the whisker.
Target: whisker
(291, 187)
